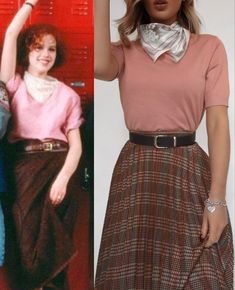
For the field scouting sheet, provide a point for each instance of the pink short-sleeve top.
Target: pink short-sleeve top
(169, 96)
(52, 119)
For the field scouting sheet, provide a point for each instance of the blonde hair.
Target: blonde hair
(137, 15)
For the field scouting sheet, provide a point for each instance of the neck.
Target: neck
(37, 74)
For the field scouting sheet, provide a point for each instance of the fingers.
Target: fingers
(56, 197)
(213, 225)
(214, 235)
(213, 238)
(205, 227)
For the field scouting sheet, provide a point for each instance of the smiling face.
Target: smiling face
(162, 11)
(42, 56)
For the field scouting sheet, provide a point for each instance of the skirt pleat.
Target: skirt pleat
(151, 236)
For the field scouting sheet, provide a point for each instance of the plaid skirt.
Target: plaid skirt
(40, 239)
(151, 235)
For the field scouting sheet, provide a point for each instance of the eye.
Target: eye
(38, 47)
(52, 49)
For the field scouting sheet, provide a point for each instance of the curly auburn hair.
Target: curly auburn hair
(31, 36)
(136, 15)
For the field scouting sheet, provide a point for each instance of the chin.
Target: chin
(44, 70)
(161, 19)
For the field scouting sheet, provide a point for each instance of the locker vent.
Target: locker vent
(80, 7)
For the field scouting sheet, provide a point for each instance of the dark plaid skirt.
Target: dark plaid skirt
(151, 236)
(43, 232)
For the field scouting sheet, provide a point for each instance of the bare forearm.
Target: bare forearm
(219, 153)
(20, 18)
(59, 187)
(71, 161)
(105, 64)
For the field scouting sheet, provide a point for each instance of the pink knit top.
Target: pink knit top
(169, 96)
(51, 119)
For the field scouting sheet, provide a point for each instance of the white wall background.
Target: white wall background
(110, 132)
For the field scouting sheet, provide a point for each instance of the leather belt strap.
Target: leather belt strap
(40, 146)
(163, 140)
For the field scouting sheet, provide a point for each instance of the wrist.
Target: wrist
(211, 205)
(216, 196)
(30, 3)
(217, 193)
(64, 176)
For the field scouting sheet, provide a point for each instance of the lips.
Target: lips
(160, 5)
(160, 2)
(44, 61)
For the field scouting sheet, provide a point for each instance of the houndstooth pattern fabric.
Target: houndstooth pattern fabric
(151, 236)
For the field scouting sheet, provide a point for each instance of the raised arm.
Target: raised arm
(8, 62)
(106, 66)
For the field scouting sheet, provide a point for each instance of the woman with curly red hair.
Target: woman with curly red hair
(46, 148)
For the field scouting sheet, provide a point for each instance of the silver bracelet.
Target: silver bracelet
(212, 204)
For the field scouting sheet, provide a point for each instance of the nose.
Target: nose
(45, 52)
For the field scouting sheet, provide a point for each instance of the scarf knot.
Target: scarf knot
(158, 38)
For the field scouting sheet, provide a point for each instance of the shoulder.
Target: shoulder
(206, 42)
(14, 84)
(120, 45)
(16, 80)
(67, 90)
(68, 93)
(122, 51)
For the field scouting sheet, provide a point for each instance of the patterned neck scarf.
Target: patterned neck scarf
(157, 38)
(40, 89)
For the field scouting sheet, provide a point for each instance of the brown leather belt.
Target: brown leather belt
(35, 145)
(163, 140)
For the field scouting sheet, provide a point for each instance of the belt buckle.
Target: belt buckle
(47, 146)
(156, 138)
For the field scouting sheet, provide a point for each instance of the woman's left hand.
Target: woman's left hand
(213, 225)
(58, 189)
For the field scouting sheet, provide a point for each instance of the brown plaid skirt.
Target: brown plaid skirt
(151, 236)
(43, 232)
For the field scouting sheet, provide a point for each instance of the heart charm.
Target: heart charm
(211, 208)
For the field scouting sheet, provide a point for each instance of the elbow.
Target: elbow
(105, 71)
(99, 69)
(96, 69)
(105, 66)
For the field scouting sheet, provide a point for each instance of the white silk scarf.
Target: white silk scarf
(40, 89)
(158, 38)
